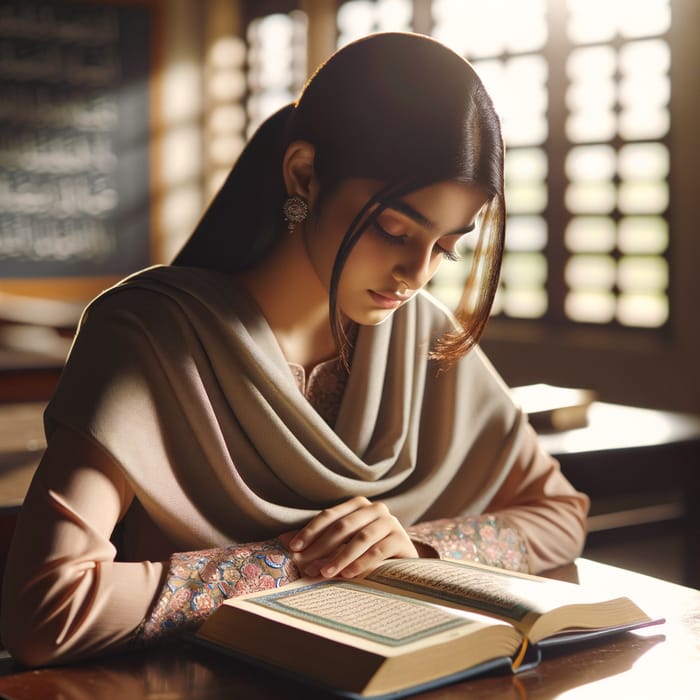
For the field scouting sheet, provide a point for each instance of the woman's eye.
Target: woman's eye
(393, 235)
(448, 254)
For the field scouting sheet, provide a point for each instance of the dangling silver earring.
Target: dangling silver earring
(295, 210)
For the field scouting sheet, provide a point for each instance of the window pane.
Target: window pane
(590, 197)
(591, 163)
(225, 116)
(524, 303)
(644, 17)
(590, 234)
(357, 18)
(643, 197)
(643, 161)
(524, 269)
(590, 21)
(527, 198)
(526, 233)
(590, 272)
(590, 306)
(525, 164)
(643, 274)
(518, 87)
(477, 29)
(644, 89)
(642, 234)
(643, 310)
(276, 64)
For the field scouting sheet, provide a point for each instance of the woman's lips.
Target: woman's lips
(386, 300)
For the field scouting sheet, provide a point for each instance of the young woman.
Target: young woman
(284, 398)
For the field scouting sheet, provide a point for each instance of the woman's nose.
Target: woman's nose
(415, 267)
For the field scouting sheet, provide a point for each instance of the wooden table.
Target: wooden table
(658, 662)
(641, 467)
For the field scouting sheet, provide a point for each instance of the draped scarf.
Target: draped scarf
(177, 375)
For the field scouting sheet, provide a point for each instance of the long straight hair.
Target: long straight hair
(398, 108)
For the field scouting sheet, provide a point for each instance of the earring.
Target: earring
(295, 210)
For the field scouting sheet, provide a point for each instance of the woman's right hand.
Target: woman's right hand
(349, 539)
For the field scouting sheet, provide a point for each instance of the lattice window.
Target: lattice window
(617, 163)
(247, 79)
(276, 63)
(225, 113)
(593, 248)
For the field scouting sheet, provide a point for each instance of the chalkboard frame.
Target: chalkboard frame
(85, 287)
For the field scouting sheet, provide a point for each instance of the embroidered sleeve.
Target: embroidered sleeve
(486, 539)
(198, 582)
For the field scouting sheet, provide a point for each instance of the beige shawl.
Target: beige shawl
(176, 373)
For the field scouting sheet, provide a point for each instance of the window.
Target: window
(583, 92)
(276, 63)
(248, 79)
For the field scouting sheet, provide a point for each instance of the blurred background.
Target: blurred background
(119, 120)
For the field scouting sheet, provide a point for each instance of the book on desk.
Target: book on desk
(412, 624)
(552, 408)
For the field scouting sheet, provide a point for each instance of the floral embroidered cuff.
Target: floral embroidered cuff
(198, 582)
(486, 539)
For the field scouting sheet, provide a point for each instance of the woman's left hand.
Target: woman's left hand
(349, 539)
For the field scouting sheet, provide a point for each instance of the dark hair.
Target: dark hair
(399, 108)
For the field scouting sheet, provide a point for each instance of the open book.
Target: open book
(412, 624)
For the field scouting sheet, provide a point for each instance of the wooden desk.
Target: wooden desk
(640, 467)
(657, 662)
(21, 446)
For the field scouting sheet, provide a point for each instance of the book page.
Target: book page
(365, 612)
(493, 592)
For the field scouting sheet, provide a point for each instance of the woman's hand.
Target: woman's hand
(349, 539)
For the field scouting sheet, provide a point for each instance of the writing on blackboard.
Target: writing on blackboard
(71, 166)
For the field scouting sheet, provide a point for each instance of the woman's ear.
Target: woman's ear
(298, 170)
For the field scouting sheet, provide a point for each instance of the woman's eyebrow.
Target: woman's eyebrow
(421, 220)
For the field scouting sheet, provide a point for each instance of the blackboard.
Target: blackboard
(75, 132)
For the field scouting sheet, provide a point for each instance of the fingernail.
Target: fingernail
(296, 545)
(328, 571)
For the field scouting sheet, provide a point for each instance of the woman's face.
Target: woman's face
(397, 254)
